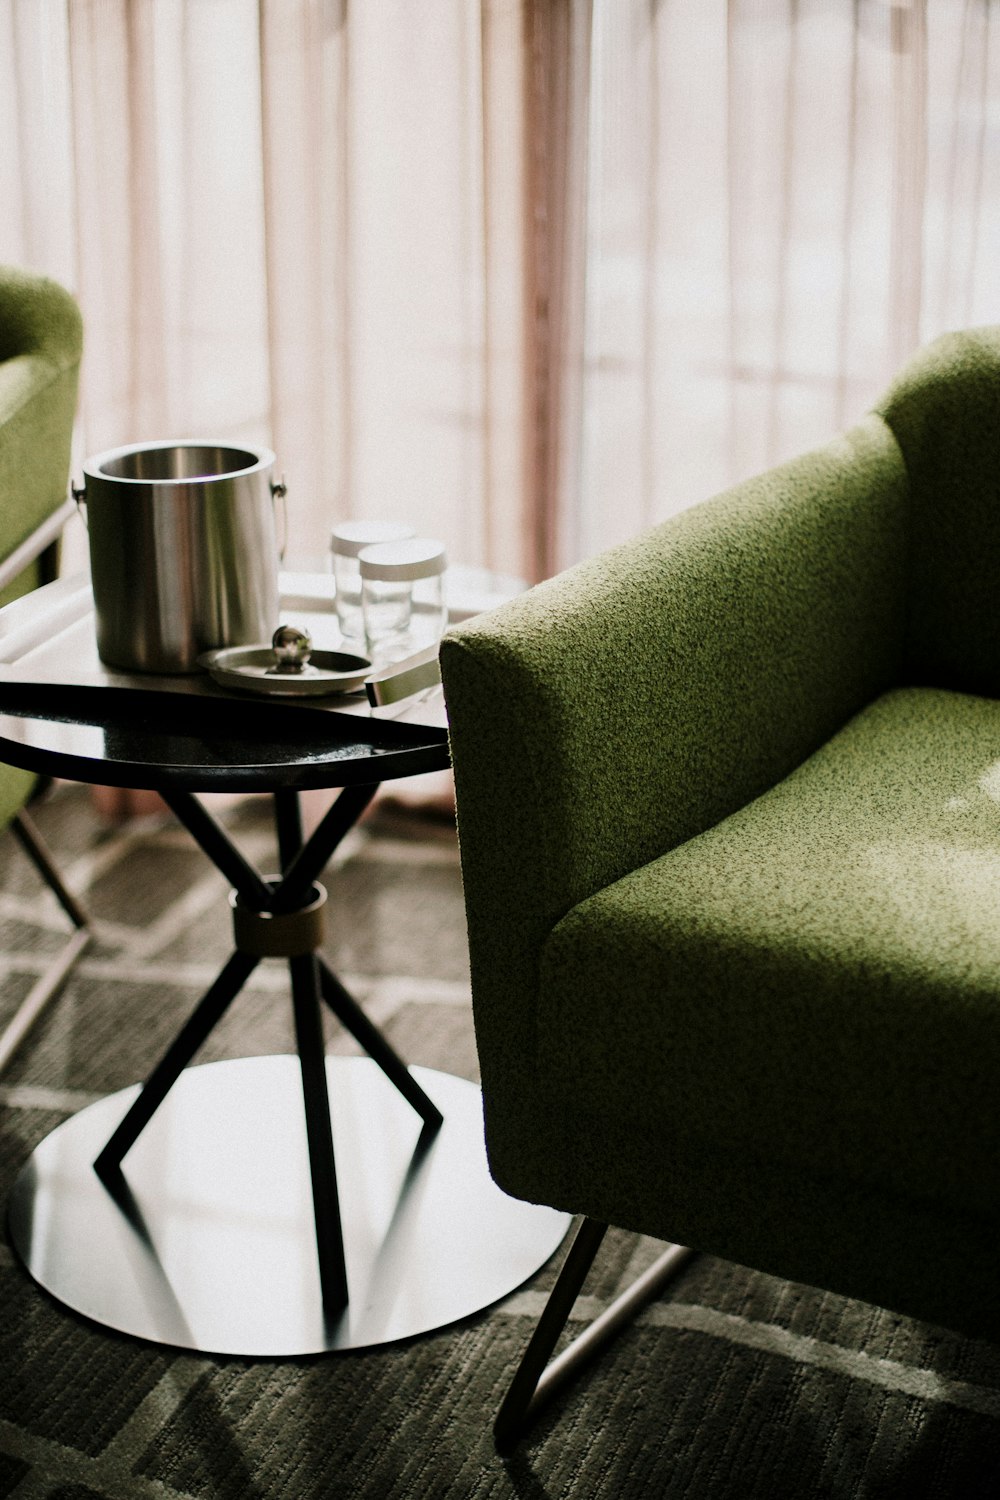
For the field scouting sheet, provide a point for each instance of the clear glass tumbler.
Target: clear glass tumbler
(402, 597)
(347, 541)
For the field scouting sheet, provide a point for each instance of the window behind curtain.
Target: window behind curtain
(531, 274)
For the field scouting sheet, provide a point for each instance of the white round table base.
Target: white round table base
(213, 1247)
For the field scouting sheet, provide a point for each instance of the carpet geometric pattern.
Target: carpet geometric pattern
(732, 1384)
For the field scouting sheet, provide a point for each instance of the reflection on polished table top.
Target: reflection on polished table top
(65, 713)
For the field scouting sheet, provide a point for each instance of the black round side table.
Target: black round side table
(210, 1208)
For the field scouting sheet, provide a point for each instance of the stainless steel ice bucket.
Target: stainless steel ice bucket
(183, 551)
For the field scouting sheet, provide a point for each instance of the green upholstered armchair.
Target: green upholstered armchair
(729, 812)
(40, 343)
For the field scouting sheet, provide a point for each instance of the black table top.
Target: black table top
(136, 737)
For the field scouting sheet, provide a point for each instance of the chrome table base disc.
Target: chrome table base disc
(212, 1244)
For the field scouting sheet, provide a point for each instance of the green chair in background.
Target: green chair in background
(40, 344)
(729, 811)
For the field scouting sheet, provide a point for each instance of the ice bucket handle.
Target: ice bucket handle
(79, 493)
(279, 491)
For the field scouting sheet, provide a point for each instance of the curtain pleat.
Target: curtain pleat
(909, 133)
(306, 113)
(557, 77)
(507, 449)
(847, 216)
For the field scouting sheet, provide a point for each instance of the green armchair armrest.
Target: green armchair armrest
(40, 347)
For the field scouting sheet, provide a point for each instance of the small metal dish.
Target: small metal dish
(252, 669)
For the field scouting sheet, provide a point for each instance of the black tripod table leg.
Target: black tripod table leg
(303, 866)
(208, 1012)
(319, 1131)
(367, 1035)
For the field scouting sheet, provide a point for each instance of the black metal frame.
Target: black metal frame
(42, 546)
(49, 983)
(311, 981)
(536, 1380)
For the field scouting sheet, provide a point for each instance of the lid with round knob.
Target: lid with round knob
(292, 648)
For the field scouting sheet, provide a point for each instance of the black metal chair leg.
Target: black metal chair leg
(319, 1131)
(208, 1012)
(520, 1403)
(536, 1381)
(48, 984)
(37, 850)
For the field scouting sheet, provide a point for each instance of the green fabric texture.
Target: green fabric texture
(820, 969)
(715, 857)
(40, 347)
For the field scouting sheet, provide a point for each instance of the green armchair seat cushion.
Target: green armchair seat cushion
(819, 971)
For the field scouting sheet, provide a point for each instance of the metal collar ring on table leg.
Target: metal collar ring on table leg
(266, 934)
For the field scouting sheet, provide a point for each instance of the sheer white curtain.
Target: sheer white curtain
(529, 273)
(785, 198)
(275, 215)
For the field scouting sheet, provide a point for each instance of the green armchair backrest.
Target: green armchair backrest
(944, 411)
(40, 345)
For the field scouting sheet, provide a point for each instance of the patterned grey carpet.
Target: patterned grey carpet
(732, 1385)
